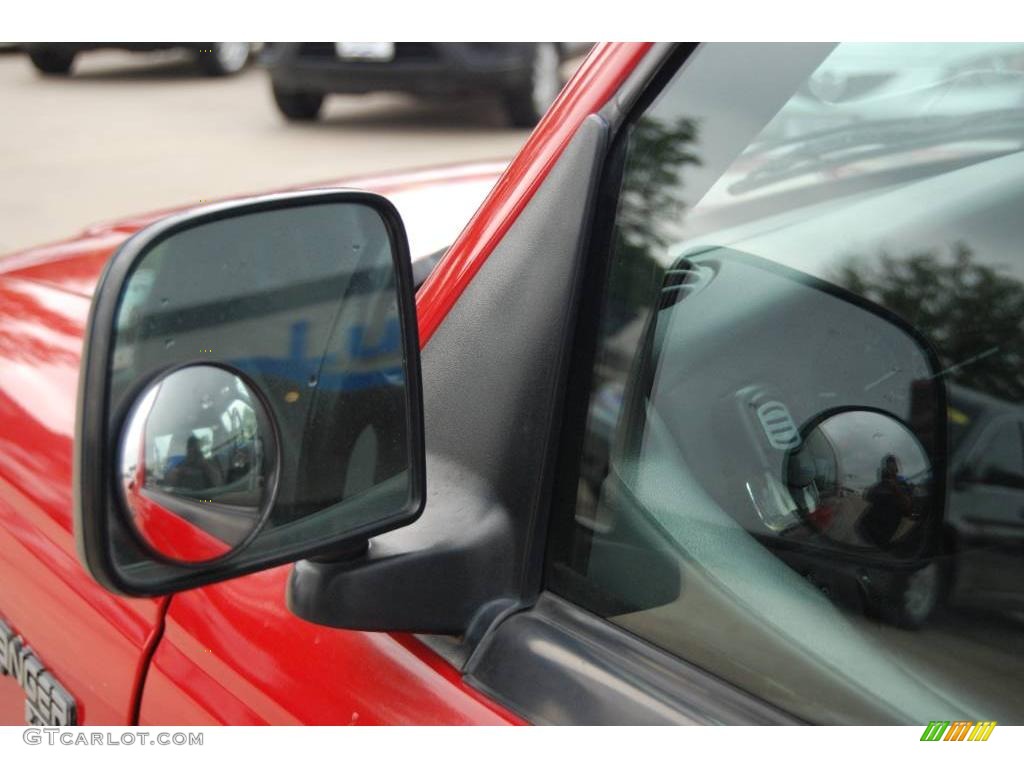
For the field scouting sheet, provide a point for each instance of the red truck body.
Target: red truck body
(232, 652)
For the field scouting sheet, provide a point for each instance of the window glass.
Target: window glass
(811, 317)
(1000, 459)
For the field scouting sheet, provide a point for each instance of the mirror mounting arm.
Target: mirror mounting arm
(440, 575)
(344, 552)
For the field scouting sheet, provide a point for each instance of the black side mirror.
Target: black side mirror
(250, 392)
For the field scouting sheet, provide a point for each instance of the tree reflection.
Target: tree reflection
(651, 190)
(650, 206)
(649, 203)
(970, 312)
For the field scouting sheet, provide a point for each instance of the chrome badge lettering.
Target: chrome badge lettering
(46, 701)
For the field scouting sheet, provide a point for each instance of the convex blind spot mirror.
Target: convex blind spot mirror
(198, 463)
(862, 479)
(250, 392)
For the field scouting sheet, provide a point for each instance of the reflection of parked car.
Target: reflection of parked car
(985, 518)
(213, 58)
(526, 75)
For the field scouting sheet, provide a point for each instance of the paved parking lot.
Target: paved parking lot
(128, 133)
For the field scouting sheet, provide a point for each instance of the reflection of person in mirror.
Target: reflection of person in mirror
(889, 501)
(241, 460)
(195, 472)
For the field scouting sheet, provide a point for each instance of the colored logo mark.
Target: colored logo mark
(958, 730)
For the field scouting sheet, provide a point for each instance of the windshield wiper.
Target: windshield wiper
(825, 149)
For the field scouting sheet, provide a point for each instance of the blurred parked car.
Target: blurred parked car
(526, 75)
(215, 59)
(986, 511)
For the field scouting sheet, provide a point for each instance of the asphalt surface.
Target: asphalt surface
(129, 133)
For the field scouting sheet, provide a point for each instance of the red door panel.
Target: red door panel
(233, 653)
(93, 642)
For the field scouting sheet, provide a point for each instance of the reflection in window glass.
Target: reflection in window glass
(812, 325)
(1000, 458)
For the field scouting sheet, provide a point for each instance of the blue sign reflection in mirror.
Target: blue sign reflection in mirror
(302, 302)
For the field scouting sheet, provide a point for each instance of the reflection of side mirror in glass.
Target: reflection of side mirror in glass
(260, 365)
(813, 419)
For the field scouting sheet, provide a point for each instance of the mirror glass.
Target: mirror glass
(861, 478)
(198, 458)
(278, 414)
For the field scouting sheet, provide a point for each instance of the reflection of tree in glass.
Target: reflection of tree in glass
(651, 201)
(650, 209)
(971, 313)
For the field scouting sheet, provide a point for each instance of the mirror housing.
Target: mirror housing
(306, 300)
